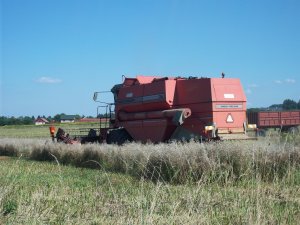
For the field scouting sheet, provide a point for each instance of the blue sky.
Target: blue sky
(56, 53)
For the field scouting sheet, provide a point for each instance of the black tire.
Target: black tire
(118, 136)
(261, 133)
(293, 130)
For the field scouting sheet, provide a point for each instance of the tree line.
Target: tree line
(29, 120)
(288, 104)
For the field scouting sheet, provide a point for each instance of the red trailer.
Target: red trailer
(285, 120)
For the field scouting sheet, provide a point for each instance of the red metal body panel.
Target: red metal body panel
(229, 103)
(154, 130)
(157, 95)
(153, 125)
(274, 119)
(212, 101)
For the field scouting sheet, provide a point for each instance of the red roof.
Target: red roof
(42, 120)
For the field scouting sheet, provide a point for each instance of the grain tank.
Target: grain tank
(159, 109)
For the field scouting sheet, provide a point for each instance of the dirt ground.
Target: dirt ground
(4, 157)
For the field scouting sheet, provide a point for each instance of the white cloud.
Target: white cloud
(290, 81)
(48, 80)
(286, 81)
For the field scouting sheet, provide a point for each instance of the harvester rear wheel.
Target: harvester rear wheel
(118, 136)
(261, 133)
(293, 130)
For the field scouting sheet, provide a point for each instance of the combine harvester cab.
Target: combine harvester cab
(160, 109)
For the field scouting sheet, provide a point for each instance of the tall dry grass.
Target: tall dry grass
(224, 183)
(267, 159)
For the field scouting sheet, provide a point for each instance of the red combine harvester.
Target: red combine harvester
(160, 109)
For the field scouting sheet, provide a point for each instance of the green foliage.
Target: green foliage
(9, 206)
(254, 109)
(58, 116)
(16, 121)
(275, 107)
(27, 120)
(289, 104)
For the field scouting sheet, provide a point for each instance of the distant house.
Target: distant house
(67, 118)
(41, 121)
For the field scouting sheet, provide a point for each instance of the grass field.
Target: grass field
(40, 131)
(47, 193)
(249, 182)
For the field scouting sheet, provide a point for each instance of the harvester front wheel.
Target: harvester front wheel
(118, 136)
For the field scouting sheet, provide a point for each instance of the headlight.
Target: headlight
(207, 128)
(252, 126)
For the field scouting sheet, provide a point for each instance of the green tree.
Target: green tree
(16, 121)
(27, 120)
(3, 121)
(298, 105)
(289, 104)
(58, 116)
(49, 118)
(275, 107)
(253, 110)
